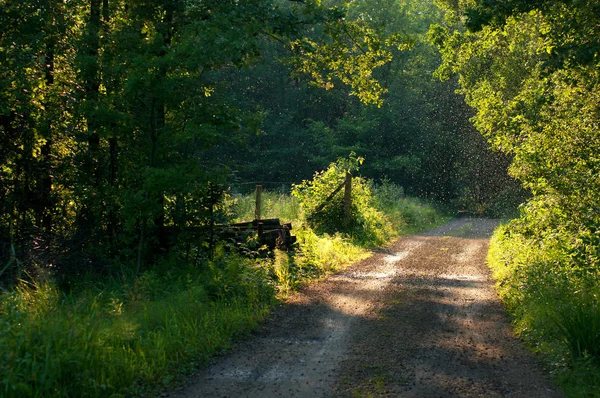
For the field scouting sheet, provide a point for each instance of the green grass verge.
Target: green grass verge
(128, 337)
(555, 304)
(117, 340)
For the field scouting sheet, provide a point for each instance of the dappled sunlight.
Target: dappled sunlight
(449, 336)
(441, 330)
(424, 324)
(369, 275)
(393, 258)
(455, 277)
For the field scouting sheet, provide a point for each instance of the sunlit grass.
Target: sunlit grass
(274, 205)
(131, 336)
(556, 307)
(90, 345)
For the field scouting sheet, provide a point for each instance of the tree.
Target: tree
(35, 80)
(115, 114)
(419, 136)
(530, 69)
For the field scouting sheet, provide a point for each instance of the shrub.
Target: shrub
(366, 223)
(550, 282)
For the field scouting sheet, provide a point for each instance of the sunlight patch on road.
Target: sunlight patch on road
(371, 275)
(394, 258)
(469, 252)
(457, 277)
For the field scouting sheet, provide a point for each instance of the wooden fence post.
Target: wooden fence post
(347, 198)
(258, 202)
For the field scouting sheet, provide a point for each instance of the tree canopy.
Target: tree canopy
(123, 123)
(530, 70)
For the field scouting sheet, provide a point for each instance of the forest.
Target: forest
(129, 129)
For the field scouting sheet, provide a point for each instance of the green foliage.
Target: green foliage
(579, 324)
(274, 205)
(121, 338)
(317, 253)
(132, 336)
(583, 380)
(329, 253)
(138, 335)
(231, 278)
(553, 297)
(350, 54)
(327, 214)
(419, 137)
(539, 112)
(405, 214)
(530, 69)
(118, 121)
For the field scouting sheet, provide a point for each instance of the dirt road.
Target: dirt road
(419, 319)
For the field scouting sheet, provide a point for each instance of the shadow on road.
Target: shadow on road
(418, 319)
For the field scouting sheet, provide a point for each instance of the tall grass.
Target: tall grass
(133, 336)
(120, 339)
(578, 322)
(407, 215)
(555, 302)
(274, 205)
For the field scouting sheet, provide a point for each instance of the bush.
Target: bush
(366, 224)
(550, 282)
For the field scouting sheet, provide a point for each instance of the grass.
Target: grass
(407, 215)
(116, 340)
(578, 322)
(274, 205)
(555, 305)
(127, 336)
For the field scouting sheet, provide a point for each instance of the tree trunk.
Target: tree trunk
(45, 185)
(92, 88)
(159, 126)
(87, 218)
(112, 214)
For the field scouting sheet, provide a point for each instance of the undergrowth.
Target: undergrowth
(274, 205)
(553, 294)
(377, 213)
(129, 336)
(124, 337)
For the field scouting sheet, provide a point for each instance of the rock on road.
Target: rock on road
(418, 319)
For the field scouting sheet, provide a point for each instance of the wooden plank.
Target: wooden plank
(270, 232)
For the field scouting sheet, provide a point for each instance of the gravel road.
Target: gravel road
(418, 319)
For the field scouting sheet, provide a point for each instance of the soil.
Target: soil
(418, 319)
